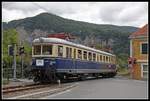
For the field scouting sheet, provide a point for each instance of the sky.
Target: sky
(116, 13)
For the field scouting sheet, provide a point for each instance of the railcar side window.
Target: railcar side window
(90, 56)
(97, 58)
(37, 50)
(68, 52)
(74, 53)
(109, 59)
(79, 54)
(47, 50)
(60, 51)
(85, 55)
(100, 57)
(94, 57)
(104, 59)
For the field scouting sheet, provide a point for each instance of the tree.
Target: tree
(10, 37)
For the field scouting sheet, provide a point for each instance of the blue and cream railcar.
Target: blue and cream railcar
(55, 58)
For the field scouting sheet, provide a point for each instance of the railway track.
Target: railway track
(23, 87)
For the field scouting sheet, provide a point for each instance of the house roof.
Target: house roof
(142, 32)
(61, 36)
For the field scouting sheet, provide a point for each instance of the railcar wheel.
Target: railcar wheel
(36, 79)
(82, 77)
(105, 75)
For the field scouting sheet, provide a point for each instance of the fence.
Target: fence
(8, 72)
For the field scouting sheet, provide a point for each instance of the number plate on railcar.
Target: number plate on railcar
(39, 62)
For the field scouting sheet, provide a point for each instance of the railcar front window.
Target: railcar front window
(47, 50)
(37, 50)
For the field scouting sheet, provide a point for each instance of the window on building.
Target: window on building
(90, 56)
(144, 49)
(47, 50)
(60, 51)
(94, 57)
(37, 50)
(85, 55)
(145, 71)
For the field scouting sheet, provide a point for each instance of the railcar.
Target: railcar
(57, 59)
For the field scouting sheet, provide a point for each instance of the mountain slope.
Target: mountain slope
(48, 22)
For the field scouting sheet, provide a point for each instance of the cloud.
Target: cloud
(120, 13)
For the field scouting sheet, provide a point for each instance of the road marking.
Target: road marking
(55, 94)
(66, 91)
(46, 97)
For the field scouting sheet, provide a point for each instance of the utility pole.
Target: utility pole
(22, 65)
(21, 52)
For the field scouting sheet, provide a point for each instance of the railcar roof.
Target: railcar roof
(56, 40)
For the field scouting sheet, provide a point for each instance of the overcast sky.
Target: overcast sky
(116, 13)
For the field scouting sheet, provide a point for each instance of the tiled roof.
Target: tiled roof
(61, 35)
(140, 32)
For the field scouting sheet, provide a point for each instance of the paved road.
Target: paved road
(106, 89)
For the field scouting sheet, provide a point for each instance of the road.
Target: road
(107, 88)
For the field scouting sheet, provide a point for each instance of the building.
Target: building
(65, 36)
(138, 60)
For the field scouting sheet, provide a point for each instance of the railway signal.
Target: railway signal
(129, 61)
(132, 61)
(21, 50)
(10, 50)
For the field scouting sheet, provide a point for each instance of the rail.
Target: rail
(23, 87)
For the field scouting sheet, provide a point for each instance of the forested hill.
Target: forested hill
(99, 35)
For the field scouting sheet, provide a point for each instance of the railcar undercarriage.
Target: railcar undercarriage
(51, 76)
